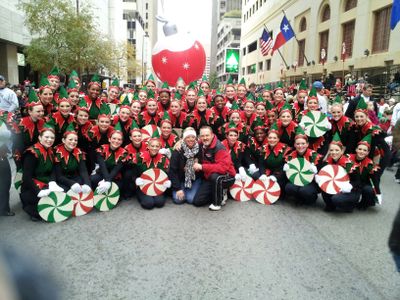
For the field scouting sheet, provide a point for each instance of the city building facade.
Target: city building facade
(324, 30)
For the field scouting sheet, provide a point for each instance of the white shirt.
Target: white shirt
(8, 100)
(323, 103)
(395, 115)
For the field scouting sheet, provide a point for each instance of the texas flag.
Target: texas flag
(284, 35)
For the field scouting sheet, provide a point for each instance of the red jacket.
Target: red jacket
(216, 159)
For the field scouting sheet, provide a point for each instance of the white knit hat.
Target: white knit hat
(189, 131)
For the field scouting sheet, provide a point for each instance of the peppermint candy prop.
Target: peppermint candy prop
(315, 124)
(266, 192)
(148, 131)
(242, 190)
(108, 200)
(331, 179)
(299, 172)
(154, 180)
(83, 203)
(56, 207)
(18, 181)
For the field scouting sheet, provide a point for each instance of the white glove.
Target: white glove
(54, 187)
(76, 188)
(101, 188)
(165, 151)
(346, 188)
(43, 193)
(313, 169)
(273, 178)
(329, 126)
(379, 198)
(252, 169)
(86, 189)
(317, 179)
(243, 174)
(228, 104)
(107, 185)
(139, 181)
(238, 177)
(263, 177)
(285, 167)
(167, 184)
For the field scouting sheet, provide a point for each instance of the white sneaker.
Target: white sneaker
(214, 207)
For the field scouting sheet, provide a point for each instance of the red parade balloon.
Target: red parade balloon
(177, 56)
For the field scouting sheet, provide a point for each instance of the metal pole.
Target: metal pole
(277, 49)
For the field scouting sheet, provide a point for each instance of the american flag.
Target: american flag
(265, 43)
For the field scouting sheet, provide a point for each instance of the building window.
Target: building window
(303, 24)
(350, 4)
(323, 43)
(129, 1)
(268, 64)
(326, 13)
(302, 48)
(147, 6)
(243, 71)
(256, 6)
(261, 3)
(260, 66)
(253, 9)
(348, 35)
(244, 51)
(251, 69)
(381, 35)
(252, 47)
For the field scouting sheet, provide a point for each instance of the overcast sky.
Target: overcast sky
(189, 15)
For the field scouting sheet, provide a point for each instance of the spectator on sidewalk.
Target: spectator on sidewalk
(367, 95)
(8, 98)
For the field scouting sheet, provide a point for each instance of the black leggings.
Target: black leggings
(211, 189)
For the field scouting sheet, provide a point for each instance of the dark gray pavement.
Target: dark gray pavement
(245, 251)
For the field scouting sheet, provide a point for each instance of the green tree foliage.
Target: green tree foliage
(64, 38)
(214, 82)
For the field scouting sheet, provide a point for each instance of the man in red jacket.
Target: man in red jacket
(218, 170)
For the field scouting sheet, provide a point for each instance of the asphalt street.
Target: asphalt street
(245, 251)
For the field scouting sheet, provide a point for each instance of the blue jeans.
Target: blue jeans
(189, 193)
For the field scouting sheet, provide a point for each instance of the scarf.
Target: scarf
(189, 154)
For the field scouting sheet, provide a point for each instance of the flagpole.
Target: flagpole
(277, 49)
(298, 43)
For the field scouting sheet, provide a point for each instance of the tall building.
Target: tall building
(219, 8)
(323, 28)
(13, 37)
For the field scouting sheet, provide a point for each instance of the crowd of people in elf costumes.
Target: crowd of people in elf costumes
(204, 140)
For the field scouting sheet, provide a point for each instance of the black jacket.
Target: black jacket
(176, 171)
(353, 105)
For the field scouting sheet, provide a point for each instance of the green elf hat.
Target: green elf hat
(286, 108)
(204, 79)
(118, 128)
(82, 105)
(279, 86)
(218, 93)
(231, 127)
(72, 87)
(95, 80)
(338, 99)
(74, 74)
(362, 106)
(230, 81)
(258, 124)
(150, 94)
(156, 134)
(336, 140)
(33, 99)
(303, 86)
(134, 126)
(114, 84)
(250, 98)
(54, 73)
(366, 141)
(267, 87)
(260, 101)
(44, 83)
(70, 129)
(191, 86)
(300, 133)
(177, 95)
(63, 96)
(274, 128)
(234, 108)
(200, 93)
(269, 106)
(242, 82)
(180, 79)
(104, 111)
(312, 94)
(166, 118)
(135, 96)
(125, 103)
(49, 125)
(151, 79)
(164, 88)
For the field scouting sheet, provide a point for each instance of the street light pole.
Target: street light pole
(143, 75)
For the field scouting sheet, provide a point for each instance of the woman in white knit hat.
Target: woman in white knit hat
(184, 181)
